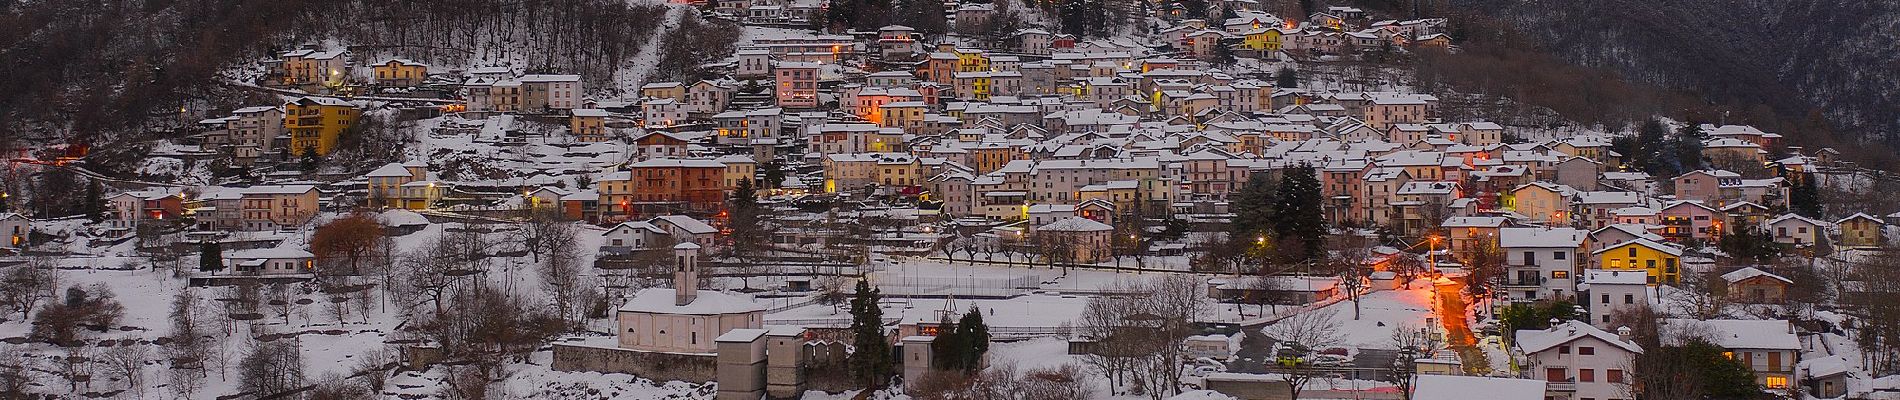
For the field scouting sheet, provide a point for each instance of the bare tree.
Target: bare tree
(561, 279)
(271, 368)
(1413, 343)
(1303, 333)
(23, 287)
(545, 232)
(128, 363)
(1066, 382)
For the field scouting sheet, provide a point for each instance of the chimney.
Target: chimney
(1623, 333)
(1555, 323)
(686, 277)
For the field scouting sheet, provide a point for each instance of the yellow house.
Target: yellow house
(1267, 39)
(1541, 201)
(400, 72)
(1860, 230)
(1661, 261)
(315, 122)
(588, 125)
(972, 61)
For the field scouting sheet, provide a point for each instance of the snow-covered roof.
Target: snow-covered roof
(1766, 334)
(272, 253)
(1076, 224)
(1751, 272)
(689, 224)
(707, 302)
(390, 170)
(1654, 245)
(1615, 277)
(1511, 238)
(1454, 387)
(1536, 340)
(743, 335)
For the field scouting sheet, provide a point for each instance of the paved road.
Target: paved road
(1254, 355)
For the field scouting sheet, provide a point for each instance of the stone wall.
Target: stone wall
(660, 367)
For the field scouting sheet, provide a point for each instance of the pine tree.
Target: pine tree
(773, 172)
(744, 217)
(975, 335)
(1253, 208)
(92, 205)
(947, 350)
(870, 359)
(310, 159)
(1688, 147)
(1297, 215)
(210, 256)
(1805, 197)
(1286, 77)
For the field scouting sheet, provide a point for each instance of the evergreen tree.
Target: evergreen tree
(310, 159)
(92, 206)
(1805, 197)
(744, 216)
(773, 172)
(1286, 77)
(948, 348)
(870, 360)
(1650, 140)
(1253, 208)
(210, 256)
(1688, 147)
(1297, 215)
(975, 335)
(1750, 243)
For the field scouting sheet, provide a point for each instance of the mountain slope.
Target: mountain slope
(1790, 56)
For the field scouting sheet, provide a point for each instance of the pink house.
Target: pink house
(1689, 219)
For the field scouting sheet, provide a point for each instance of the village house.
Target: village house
(1577, 360)
(1861, 230)
(1540, 262)
(274, 261)
(1770, 348)
(268, 207)
(397, 72)
(314, 123)
(1754, 286)
(1797, 231)
(1607, 292)
(1661, 262)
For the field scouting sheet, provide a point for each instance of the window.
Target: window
(1557, 255)
(1559, 274)
(1586, 375)
(1586, 351)
(1606, 298)
(1550, 374)
(1613, 375)
(1632, 252)
(1563, 349)
(1775, 382)
(1629, 298)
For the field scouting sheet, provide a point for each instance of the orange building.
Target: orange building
(665, 186)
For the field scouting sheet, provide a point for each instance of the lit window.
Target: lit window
(1776, 382)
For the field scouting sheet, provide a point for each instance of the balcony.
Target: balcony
(1524, 281)
(1560, 387)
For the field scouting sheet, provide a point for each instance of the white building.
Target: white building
(684, 319)
(1577, 361)
(1611, 290)
(1541, 262)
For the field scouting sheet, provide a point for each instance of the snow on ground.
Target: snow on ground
(1379, 313)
